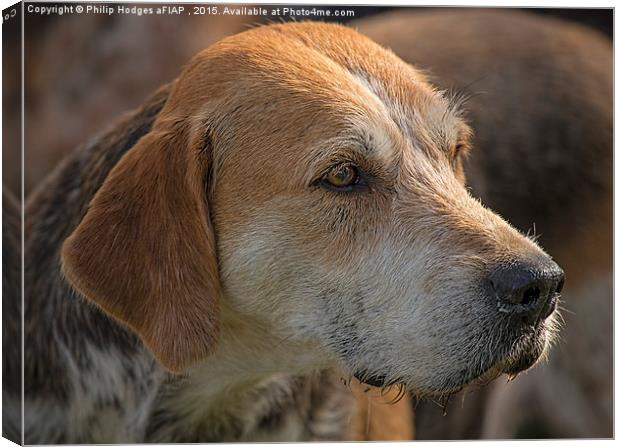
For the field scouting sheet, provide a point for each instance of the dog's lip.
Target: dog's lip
(514, 363)
(511, 364)
(529, 355)
(522, 364)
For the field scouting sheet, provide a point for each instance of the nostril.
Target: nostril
(530, 296)
(516, 284)
(527, 290)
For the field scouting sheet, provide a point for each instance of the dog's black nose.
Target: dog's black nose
(528, 289)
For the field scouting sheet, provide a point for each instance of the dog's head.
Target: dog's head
(306, 180)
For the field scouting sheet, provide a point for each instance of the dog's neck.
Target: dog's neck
(248, 353)
(249, 366)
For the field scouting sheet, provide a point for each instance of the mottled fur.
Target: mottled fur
(11, 323)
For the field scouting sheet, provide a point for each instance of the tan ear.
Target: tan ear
(145, 251)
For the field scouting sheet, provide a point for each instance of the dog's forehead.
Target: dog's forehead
(299, 72)
(337, 58)
(329, 56)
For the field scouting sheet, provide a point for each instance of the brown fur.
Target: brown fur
(52, 311)
(118, 240)
(69, 189)
(169, 165)
(540, 94)
(100, 66)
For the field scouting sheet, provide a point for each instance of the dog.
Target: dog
(289, 211)
(541, 105)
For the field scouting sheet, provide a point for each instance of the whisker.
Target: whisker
(564, 309)
(446, 402)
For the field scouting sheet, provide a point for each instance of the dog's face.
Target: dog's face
(335, 212)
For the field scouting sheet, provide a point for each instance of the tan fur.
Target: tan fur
(381, 415)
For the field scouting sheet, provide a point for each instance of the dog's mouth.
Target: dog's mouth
(527, 350)
(511, 357)
(523, 353)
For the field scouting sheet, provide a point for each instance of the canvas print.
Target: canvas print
(286, 223)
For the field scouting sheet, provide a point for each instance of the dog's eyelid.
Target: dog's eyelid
(345, 157)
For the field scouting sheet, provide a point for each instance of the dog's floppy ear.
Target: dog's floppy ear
(145, 250)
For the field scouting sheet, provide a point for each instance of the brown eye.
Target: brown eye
(342, 176)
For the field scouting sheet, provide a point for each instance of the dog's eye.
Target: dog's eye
(342, 178)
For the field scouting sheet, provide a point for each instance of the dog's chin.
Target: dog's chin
(523, 355)
(525, 361)
(519, 353)
(526, 354)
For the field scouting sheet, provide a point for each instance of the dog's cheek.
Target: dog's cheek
(267, 272)
(395, 316)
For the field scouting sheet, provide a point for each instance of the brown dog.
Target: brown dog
(292, 203)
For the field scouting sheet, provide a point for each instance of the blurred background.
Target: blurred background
(540, 82)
